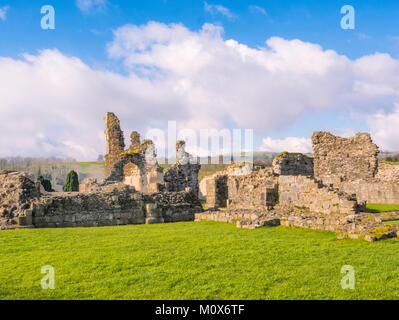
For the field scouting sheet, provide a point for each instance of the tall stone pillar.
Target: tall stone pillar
(115, 141)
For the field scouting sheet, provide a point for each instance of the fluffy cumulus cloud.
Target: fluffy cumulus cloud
(87, 6)
(3, 13)
(53, 104)
(384, 129)
(290, 144)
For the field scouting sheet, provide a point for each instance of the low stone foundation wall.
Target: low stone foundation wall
(119, 207)
(89, 210)
(363, 225)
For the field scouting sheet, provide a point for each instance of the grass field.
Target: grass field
(204, 260)
(378, 208)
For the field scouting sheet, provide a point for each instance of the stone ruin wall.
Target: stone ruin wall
(241, 186)
(351, 165)
(16, 192)
(183, 174)
(134, 191)
(302, 192)
(138, 167)
(293, 164)
(115, 141)
(264, 188)
(21, 204)
(346, 159)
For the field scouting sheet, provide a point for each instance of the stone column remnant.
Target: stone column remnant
(115, 141)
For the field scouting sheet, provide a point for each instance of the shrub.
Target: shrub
(45, 183)
(72, 182)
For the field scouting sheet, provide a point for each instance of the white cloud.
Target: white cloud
(87, 6)
(384, 129)
(219, 9)
(257, 9)
(290, 144)
(53, 104)
(3, 12)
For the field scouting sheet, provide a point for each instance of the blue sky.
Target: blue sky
(87, 33)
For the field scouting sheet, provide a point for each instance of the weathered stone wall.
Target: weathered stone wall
(183, 174)
(115, 141)
(118, 207)
(383, 189)
(372, 191)
(258, 188)
(344, 159)
(307, 193)
(293, 164)
(388, 172)
(16, 193)
(217, 192)
(22, 204)
(137, 166)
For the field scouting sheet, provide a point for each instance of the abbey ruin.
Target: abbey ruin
(135, 190)
(328, 191)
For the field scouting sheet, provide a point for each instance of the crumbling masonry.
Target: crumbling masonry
(328, 191)
(134, 191)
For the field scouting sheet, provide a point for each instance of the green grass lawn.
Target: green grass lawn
(377, 208)
(195, 260)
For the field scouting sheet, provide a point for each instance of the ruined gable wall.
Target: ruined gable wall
(344, 159)
(351, 165)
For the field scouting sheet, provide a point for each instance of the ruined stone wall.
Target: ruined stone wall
(258, 188)
(118, 207)
(137, 166)
(179, 177)
(382, 189)
(293, 164)
(372, 191)
(115, 141)
(387, 172)
(22, 204)
(183, 174)
(17, 190)
(217, 192)
(344, 159)
(308, 193)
